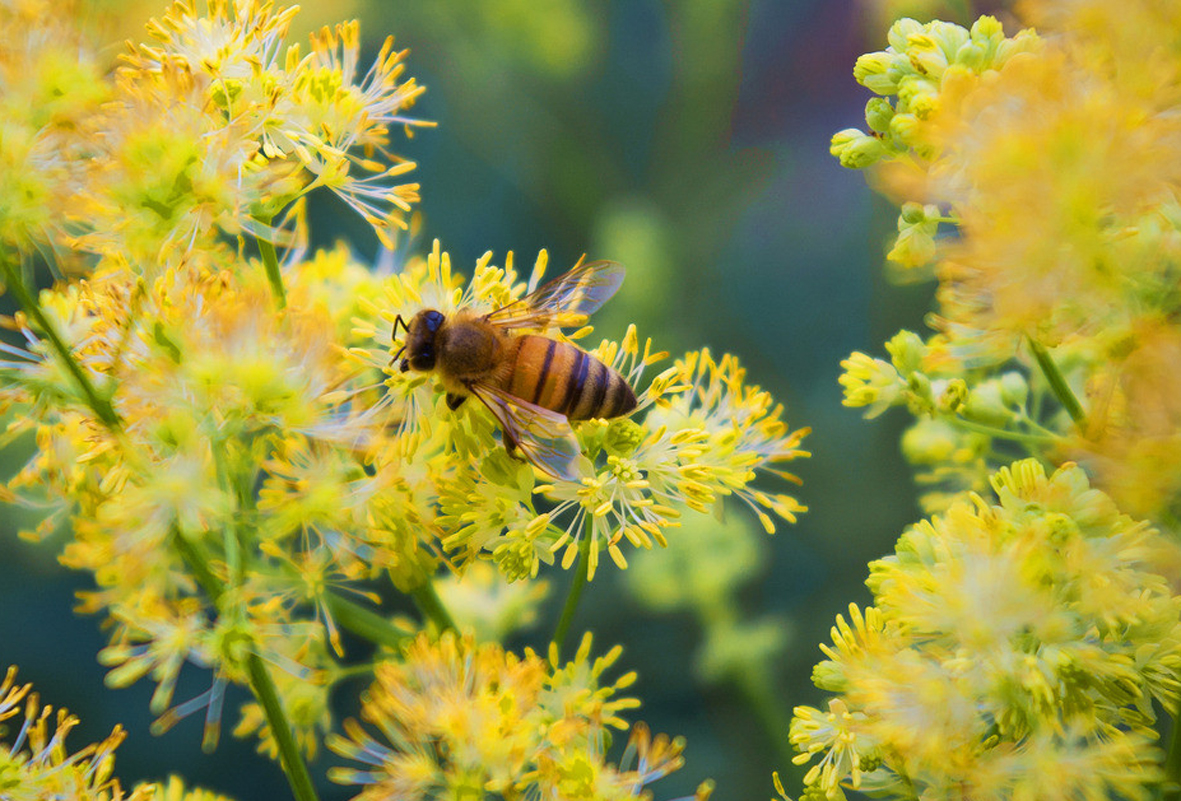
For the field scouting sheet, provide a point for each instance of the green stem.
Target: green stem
(197, 564)
(1170, 787)
(1058, 384)
(100, 405)
(431, 606)
(261, 684)
(362, 622)
(575, 594)
(270, 262)
(759, 694)
(294, 766)
(1001, 433)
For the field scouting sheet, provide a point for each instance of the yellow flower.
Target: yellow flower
(480, 601)
(457, 716)
(698, 434)
(174, 790)
(217, 125)
(835, 734)
(34, 762)
(1028, 631)
(51, 86)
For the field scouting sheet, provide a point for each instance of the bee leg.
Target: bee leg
(455, 401)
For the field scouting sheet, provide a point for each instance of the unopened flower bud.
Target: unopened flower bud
(878, 113)
(901, 31)
(906, 351)
(856, 149)
(1014, 389)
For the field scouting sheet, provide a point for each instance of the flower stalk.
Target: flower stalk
(270, 263)
(581, 576)
(1170, 787)
(363, 622)
(100, 405)
(261, 684)
(1058, 383)
(293, 763)
(429, 603)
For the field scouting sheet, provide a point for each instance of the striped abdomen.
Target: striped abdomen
(563, 378)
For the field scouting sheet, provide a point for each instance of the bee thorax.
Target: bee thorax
(467, 350)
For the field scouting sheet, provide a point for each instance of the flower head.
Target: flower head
(1003, 634)
(216, 124)
(51, 86)
(459, 716)
(698, 434)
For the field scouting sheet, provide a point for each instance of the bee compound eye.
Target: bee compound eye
(433, 320)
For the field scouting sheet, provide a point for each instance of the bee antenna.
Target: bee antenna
(398, 321)
(394, 337)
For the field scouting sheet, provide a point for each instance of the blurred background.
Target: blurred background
(688, 140)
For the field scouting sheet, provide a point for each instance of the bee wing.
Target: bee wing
(543, 436)
(565, 301)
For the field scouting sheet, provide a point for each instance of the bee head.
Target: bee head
(419, 347)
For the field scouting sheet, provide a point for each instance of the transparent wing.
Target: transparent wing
(566, 301)
(544, 437)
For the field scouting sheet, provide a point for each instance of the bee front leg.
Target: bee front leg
(454, 401)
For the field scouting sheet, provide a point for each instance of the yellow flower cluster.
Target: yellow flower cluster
(462, 719)
(35, 764)
(968, 419)
(1016, 649)
(223, 428)
(1023, 648)
(50, 84)
(703, 437)
(917, 67)
(213, 127)
(1057, 163)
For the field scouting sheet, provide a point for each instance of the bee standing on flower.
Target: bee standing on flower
(533, 384)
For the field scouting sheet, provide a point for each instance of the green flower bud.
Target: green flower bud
(926, 56)
(947, 37)
(954, 396)
(987, 406)
(919, 398)
(930, 442)
(591, 435)
(912, 214)
(830, 677)
(901, 31)
(878, 112)
(914, 247)
(624, 435)
(973, 55)
(916, 86)
(876, 72)
(888, 82)
(987, 29)
(917, 226)
(906, 351)
(1026, 41)
(856, 149)
(904, 128)
(1014, 389)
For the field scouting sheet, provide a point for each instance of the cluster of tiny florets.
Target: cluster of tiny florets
(216, 416)
(971, 667)
(455, 717)
(1022, 647)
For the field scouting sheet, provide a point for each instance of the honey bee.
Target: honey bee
(533, 384)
